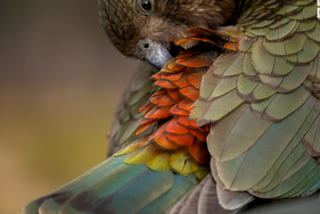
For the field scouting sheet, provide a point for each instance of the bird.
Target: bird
(233, 123)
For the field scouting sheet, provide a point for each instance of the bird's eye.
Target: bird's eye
(146, 5)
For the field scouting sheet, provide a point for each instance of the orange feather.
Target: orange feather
(176, 111)
(174, 127)
(158, 112)
(186, 42)
(199, 152)
(185, 105)
(162, 100)
(185, 54)
(199, 135)
(147, 107)
(183, 140)
(184, 121)
(231, 46)
(182, 82)
(172, 67)
(190, 93)
(156, 76)
(172, 77)
(173, 93)
(160, 138)
(194, 62)
(143, 127)
(195, 79)
(165, 84)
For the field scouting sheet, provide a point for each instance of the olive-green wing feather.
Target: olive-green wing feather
(127, 116)
(263, 104)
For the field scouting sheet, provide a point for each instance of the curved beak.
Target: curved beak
(153, 52)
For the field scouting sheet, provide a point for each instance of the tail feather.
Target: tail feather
(55, 199)
(116, 187)
(180, 187)
(126, 189)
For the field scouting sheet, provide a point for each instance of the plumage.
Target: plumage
(199, 200)
(127, 117)
(233, 125)
(285, 100)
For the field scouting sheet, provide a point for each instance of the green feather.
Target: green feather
(279, 106)
(287, 158)
(314, 74)
(224, 86)
(263, 23)
(311, 140)
(245, 87)
(248, 69)
(249, 23)
(289, 46)
(180, 187)
(306, 12)
(240, 126)
(287, 169)
(287, 83)
(227, 64)
(245, 43)
(302, 2)
(240, 174)
(147, 89)
(287, 9)
(208, 84)
(314, 188)
(249, 34)
(76, 185)
(197, 113)
(309, 52)
(314, 34)
(266, 63)
(127, 117)
(279, 22)
(282, 31)
(307, 25)
(262, 92)
(257, 31)
(234, 68)
(292, 181)
(129, 188)
(221, 107)
(253, 91)
(304, 184)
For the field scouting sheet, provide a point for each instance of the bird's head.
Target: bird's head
(140, 28)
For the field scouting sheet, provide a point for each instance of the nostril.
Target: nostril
(143, 48)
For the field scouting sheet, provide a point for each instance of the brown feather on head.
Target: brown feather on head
(128, 22)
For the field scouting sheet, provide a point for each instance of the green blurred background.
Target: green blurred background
(60, 82)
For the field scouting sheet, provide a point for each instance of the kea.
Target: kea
(232, 124)
(139, 28)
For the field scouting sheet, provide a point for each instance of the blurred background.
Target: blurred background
(60, 81)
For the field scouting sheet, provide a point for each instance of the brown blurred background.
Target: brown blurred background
(60, 81)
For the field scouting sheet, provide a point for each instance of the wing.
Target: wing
(127, 116)
(263, 103)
